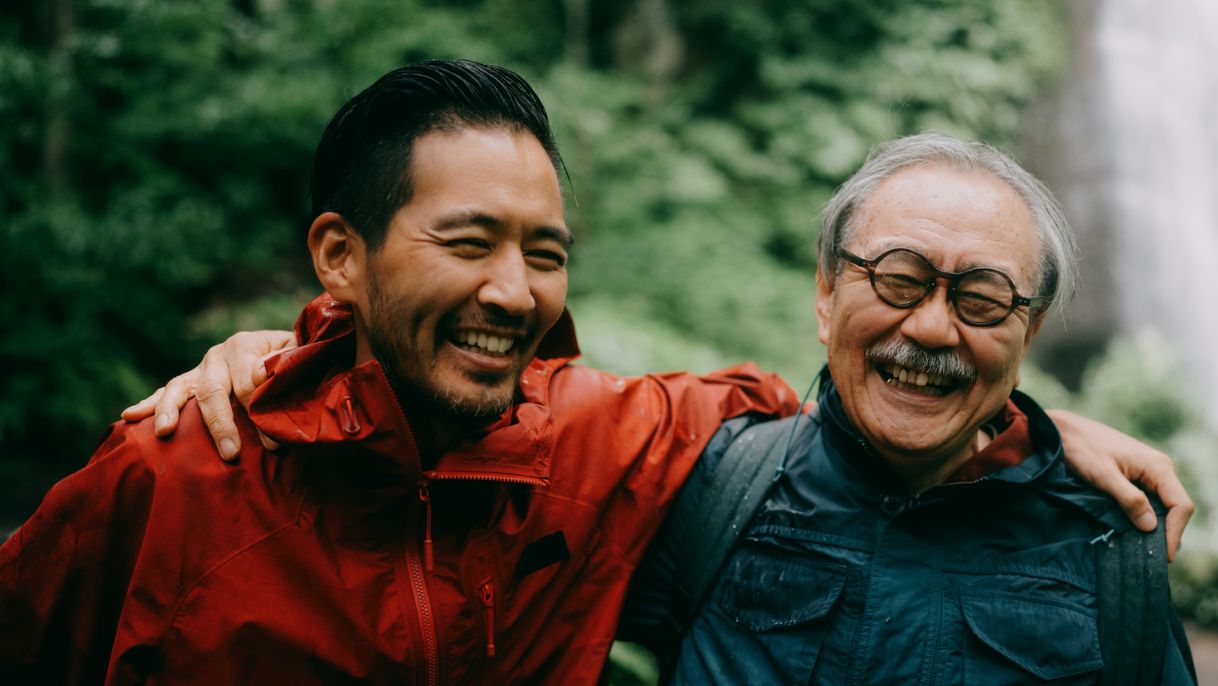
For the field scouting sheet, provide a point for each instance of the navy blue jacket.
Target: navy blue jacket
(842, 577)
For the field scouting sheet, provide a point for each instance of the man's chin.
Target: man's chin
(479, 399)
(456, 393)
(472, 408)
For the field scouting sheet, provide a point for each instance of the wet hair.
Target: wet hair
(362, 166)
(1057, 262)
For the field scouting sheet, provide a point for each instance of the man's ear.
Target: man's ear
(1033, 328)
(824, 305)
(340, 257)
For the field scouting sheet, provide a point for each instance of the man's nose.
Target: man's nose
(932, 323)
(506, 284)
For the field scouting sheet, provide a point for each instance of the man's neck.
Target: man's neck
(436, 431)
(923, 474)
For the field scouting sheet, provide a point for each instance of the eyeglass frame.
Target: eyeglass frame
(953, 278)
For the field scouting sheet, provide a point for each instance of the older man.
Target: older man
(924, 529)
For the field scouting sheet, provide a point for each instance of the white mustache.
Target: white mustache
(910, 356)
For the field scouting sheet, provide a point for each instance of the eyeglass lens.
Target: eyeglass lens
(902, 278)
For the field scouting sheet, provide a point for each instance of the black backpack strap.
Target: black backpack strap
(1134, 605)
(709, 515)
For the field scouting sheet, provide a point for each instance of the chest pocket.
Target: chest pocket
(1020, 640)
(766, 621)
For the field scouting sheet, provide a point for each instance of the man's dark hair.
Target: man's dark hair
(362, 166)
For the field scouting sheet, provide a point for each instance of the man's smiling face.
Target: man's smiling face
(921, 420)
(472, 272)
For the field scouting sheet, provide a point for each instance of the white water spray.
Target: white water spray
(1138, 173)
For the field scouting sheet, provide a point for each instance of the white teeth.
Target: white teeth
(488, 342)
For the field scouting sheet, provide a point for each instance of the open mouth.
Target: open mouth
(916, 380)
(483, 342)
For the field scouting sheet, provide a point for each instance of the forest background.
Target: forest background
(157, 152)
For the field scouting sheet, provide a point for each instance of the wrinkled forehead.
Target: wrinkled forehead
(959, 219)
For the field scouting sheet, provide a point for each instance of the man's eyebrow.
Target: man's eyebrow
(456, 220)
(560, 235)
(464, 218)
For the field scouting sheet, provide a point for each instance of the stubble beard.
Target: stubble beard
(392, 343)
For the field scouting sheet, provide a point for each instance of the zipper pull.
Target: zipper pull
(429, 558)
(347, 414)
(488, 610)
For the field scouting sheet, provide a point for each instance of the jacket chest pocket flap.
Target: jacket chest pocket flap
(776, 604)
(1021, 636)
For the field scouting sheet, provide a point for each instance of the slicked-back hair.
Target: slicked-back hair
(362, 166)
(1056, 271)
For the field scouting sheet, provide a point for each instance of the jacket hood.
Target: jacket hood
(314, 397)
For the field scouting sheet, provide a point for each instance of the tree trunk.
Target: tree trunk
(647, 41)
(57, 134)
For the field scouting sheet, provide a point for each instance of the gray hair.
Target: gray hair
(1057, 263)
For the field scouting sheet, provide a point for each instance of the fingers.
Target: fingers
(213, 397)
(259, 376)
(267, 442)
(1160, 476)
(235, 367)
(168, 400)
(1114, 462)
(245, 353)
(1177, 519)
(143, 408)
(1131, 498)
(212, 392)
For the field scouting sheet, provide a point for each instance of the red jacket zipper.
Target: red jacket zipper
(488, 613)
(429, 557)
(422, 602)
(487, 590)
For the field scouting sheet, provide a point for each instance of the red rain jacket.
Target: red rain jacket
(338, 559)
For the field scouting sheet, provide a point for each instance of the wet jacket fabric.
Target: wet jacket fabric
(843, 577)
(339, 559)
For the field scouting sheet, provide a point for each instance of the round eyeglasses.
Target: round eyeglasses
(903, 278)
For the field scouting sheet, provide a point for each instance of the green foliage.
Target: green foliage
(157, 154)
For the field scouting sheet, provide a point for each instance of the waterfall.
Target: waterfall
(1133, 154)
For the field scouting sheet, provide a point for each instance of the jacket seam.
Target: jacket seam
(186, 593)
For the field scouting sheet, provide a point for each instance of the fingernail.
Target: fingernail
(1147, 521)
(162, 421)
(227, 448)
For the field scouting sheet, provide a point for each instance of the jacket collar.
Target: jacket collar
(1045, 466)
(313, 398)
(1046, 445)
